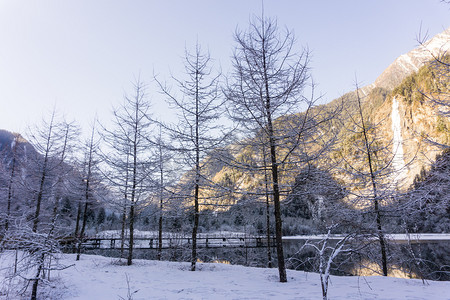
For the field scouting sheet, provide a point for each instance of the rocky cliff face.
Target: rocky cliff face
(411, 130)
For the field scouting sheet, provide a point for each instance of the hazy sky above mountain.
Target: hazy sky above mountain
(81, 56)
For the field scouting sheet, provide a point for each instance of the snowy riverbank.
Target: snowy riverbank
(102, 278)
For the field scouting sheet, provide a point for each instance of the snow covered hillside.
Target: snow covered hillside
(102, 278)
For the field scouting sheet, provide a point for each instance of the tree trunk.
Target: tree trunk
(375, 194)
(124, 211)
(133, 191)
(274, 167)
(131, 238)
(86, 192)
(269, 251)
(160, 232)
(36, 279)
(381, 240)
(197, 170)
(278, 223)
(77, 225)
(40, 195)
(161, 196)
(195, 229)
(43, 176)
(122, 231)
(83, 227)
(266, 179)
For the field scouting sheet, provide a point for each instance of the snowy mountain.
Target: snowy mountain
(412, 61)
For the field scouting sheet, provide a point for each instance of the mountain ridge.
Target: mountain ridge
(415, 117)
(410, 62)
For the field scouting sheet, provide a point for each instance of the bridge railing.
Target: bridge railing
(91, 243)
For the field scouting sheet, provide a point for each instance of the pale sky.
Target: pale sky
(81, 56)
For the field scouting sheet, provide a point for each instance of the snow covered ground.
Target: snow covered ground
(102, 278)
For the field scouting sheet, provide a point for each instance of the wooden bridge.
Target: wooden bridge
(93, 243)
(233, 241)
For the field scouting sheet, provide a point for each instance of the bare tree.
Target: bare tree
(267, 195)
(124, 205)
(197, 132)
(265, 96)
(53, 141)
(164, 180)
(374, 169)
(370, 152)
(127, 155)
(327, 253)
(49, 142)
(43, 173)
(63, 182)
(89, 165)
